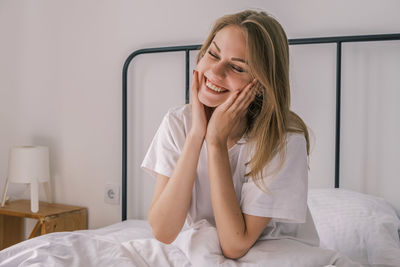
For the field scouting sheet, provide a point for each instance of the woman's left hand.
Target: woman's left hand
(228, 115)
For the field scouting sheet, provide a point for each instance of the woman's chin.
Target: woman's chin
(208, 102)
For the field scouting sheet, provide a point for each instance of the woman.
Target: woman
(237, 156)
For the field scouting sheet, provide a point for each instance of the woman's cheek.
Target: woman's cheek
(245, 83)
(239, 86)
(200, 68)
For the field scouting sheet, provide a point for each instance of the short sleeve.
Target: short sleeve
(286, 199)
(166, 146)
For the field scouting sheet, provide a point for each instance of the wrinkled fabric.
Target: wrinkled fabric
(131, 243)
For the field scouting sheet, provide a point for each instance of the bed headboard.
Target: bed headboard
(338, 41)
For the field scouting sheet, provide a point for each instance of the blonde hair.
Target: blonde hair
(269, 115)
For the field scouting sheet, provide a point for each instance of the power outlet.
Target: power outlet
(111, 194)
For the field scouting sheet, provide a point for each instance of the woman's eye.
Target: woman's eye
(236, 68)
(212, 54)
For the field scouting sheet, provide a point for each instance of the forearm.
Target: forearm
(229, 219)
(167, 215)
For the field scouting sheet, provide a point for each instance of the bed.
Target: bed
(355, 229)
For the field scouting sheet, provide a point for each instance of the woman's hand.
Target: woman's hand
(199, 119)
(229, 114)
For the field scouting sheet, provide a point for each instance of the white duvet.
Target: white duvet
(131, 243)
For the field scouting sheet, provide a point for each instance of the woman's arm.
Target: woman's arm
(172, 195)
(237, 231)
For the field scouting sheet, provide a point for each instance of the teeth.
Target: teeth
(213, 87)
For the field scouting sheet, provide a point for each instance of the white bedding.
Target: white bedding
(350, 225)
(363, 227)
(131, 243)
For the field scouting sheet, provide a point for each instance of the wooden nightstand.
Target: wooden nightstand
(51, 218)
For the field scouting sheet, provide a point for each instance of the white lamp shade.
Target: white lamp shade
(28, 163)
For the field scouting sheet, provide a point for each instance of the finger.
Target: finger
(244, 96)
(195, 85)
(250, 96)
(195, 79)
(243, 106)
(228, 103)
(246, 103)
(200, 77)
(249, 89)
(259, 89)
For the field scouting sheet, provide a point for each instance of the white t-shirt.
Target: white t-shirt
(286, 202)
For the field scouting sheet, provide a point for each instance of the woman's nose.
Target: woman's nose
(219, 69)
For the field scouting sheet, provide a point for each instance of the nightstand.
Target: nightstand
(51, 218)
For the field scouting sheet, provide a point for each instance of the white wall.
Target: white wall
(60, 73)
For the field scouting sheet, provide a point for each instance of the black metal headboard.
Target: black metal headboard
(302, 41)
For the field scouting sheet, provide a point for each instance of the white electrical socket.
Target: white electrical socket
(111, 194)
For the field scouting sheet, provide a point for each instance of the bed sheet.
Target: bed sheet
(130, 243)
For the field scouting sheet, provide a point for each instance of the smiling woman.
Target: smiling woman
(236, 157)
(224, 67)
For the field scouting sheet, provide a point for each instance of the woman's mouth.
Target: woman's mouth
(214, 88)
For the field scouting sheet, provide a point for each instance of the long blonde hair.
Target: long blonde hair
(269, 116)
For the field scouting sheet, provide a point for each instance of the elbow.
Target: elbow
(234, 252)
(163, 229)
(161, 233)
(235, 248)
(164, 238)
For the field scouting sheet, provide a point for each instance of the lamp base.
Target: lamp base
(34, 194)
(4, 198)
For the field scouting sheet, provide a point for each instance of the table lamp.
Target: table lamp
(29, 164)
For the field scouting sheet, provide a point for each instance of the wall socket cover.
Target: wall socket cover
(111, 194)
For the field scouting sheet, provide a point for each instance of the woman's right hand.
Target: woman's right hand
(172, 196)
(199, 119)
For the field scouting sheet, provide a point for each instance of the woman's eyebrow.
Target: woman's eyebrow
(233, 58)
(216, 46)
(239, 59)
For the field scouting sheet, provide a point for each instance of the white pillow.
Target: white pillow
(362, 227)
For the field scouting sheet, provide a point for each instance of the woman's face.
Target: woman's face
(224, 66)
